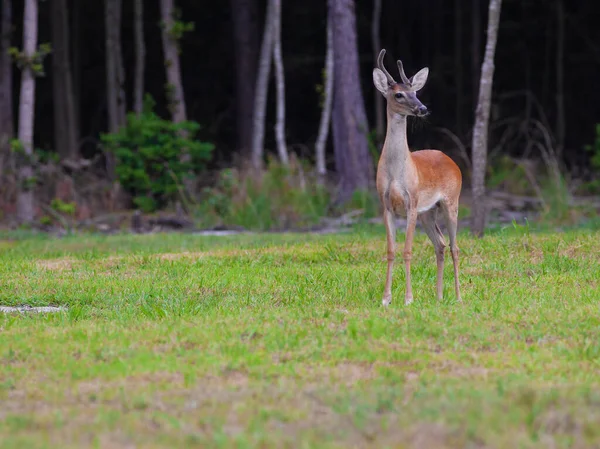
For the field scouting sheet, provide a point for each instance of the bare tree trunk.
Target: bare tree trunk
(352, 159)
(379, 108)
(121, 100)
(279, 85)
(475, 48)
(76, 65)
(458, 74)
(140, 55)
(326, 113)
(25, 210)
(560, 78)
(113, 87)
(262, 89)
(175, 94)
(482, 116)
(6, 113)
(245, 34)
(66, 135)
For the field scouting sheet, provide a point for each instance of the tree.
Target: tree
(279, 84)
(6, 114)
(262, 89)
(140, 54)
(482, 117)
(172, 30)
(245, 36)
(376, 43)
(114, 74)
(25, 209)
(327, 101)
(66, 134)
(352, 159)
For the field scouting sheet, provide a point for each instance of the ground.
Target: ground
(178, 340)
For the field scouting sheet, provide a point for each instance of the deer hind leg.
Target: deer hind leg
(390, 230)
(410, 232)
(428, 219)
(451, 218)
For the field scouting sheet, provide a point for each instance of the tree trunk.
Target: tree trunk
(327, 102)
(140, 54)
(121, 100)
(560, 78)
(475, 48)
(25, 210)
(458, 74)
(279, 84)
(113, 87)
(482, 116)
(262, 89)
(65, 133)
(245, 35)
(379, 106)
(76, 47)
(175, 95)
(352, 159)
(6, 113)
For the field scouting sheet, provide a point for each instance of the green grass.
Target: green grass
(278, 341)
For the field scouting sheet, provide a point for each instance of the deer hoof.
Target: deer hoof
(408, 301)
(386, 301)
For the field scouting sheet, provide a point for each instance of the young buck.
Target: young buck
(414, 184)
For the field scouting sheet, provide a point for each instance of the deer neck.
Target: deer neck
(396, 154)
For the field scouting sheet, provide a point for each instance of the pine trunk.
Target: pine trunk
(174, 86)
(65, 131)
(262, 90)
(279, 85)
(140, 55)
(25, 209)
(6, 114)
(352, 159)
(482, 117)
(327, 102)
(245, 35)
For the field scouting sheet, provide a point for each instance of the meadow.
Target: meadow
(280, 340)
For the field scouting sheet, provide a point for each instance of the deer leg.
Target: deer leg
(390, 230)
(451, 219)
(410, 231)
(439, 244)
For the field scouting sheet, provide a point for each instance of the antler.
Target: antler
(405, 79)
(381, 67)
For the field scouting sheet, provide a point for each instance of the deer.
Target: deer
(414, 184)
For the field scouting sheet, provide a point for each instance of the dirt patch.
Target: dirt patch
(62, 264)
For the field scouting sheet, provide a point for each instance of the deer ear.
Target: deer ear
(380, 81)
(419, 79)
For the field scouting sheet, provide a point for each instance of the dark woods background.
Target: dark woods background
(547, 64)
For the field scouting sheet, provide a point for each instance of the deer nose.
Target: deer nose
(422, 110)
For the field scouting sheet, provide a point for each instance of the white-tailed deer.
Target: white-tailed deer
(415, 184)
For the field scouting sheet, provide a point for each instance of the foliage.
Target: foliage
(175, 337)
(593, 186)
(35, 62)
(505, 173)
(150, 156)
(277, 198)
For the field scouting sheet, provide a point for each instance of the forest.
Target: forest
(224, 112)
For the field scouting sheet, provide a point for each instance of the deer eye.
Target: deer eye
(398, 95)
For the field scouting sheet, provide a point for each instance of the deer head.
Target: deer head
(401, 97)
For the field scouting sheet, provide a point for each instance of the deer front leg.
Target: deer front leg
(410, 231)
(390, 230)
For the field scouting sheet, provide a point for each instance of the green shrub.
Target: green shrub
(594, 185)
(277, 198)
(149, 159)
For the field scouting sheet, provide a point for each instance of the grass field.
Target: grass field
(276, 341)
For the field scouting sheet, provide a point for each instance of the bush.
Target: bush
(149, 159)
(277, 198)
